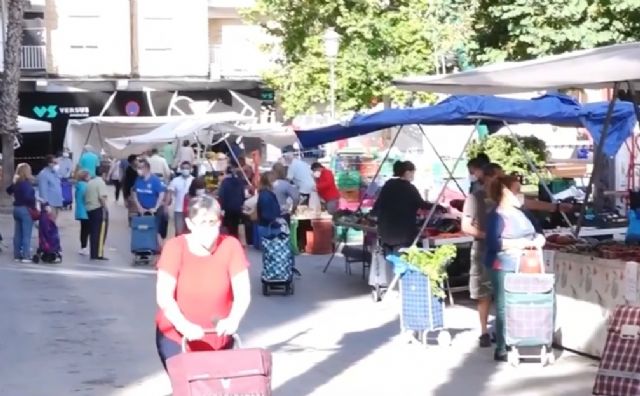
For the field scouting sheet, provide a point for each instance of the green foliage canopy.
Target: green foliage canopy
(380, 40)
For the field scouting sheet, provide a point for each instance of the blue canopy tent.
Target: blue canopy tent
(613, 120)
(462, 110)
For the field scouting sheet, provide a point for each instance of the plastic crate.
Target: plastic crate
(349, 179)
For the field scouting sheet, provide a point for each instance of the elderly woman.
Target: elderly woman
(202, 276)
(286, 193)
(24, 208)
(510, 229)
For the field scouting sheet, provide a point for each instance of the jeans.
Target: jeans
(178, 222)
(497, 280)
(166, 347)
(23, 226)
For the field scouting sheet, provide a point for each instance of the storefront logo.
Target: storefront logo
(52, 111)
(46, 111)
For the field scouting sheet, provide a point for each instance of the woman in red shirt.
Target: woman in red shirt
(202, 276)
(326, 187)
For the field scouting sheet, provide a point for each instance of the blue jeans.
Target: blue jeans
(23, 226)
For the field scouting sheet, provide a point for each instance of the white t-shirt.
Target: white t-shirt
(180, 187)
(300, 174)
(185, 154)
(159, 166)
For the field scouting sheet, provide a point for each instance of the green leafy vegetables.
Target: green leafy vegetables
(432, 263)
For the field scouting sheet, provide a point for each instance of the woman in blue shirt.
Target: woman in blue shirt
(268, 207)
(24, 202)
(510, 230)
(81, 211)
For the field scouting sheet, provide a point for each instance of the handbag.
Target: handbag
(35, 213)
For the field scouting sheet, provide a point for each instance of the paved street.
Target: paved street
(81, 328)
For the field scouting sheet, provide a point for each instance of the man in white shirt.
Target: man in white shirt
(159, 166)
(185, 154)
(178, 189)
(300, 174)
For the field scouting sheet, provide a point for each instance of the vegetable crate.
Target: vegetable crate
(421, 312)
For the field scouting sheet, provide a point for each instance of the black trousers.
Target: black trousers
(118, 185)
(231, 221)
(98, 223)
(85, 231)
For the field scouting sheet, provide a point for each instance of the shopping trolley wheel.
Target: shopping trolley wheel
(444, 338)
(513, 357)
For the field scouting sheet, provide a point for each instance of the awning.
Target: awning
(467, 110)
(29, 125)
(592, 68)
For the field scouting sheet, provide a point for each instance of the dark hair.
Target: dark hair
(398, 168)
(145, 163)
(279, 171)
(483, 158)
(132, 158)
(197, 184)
(100, 171)
(154, 151)
(492, 170)
(475, 163)
(496, 187)
(185, 163)
(316, 165)
(265, 181)
(50, 159)
(185, 143)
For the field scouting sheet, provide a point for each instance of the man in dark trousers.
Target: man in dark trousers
(96, 204)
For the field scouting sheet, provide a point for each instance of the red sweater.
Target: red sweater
(326, 185)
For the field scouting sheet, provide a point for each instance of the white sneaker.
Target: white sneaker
(26, 261)
(83, 252)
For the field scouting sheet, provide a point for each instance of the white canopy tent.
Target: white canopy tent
(29, 125)
(95, 131)
(592, 68)
(194, 128)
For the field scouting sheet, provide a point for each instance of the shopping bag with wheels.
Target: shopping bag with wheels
(228, 372)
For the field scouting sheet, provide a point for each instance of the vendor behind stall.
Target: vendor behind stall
(326, 187)
(397, 207)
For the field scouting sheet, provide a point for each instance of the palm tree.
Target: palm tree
(9, 87)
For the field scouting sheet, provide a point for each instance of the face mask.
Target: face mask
(200, 192)
(316, 174)
(186, 172)
(520, 198)
(205, 233)
(473, 178)
(65, 155)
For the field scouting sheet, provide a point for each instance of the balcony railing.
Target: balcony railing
(232, 61)
(34, 57)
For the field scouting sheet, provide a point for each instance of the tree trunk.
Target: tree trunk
(9, 87)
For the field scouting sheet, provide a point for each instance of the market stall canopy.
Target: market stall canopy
(29, 125)
(185, 128)
(592, 68)
(466, 110)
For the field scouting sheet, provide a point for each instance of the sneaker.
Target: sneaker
(26, 261)
(500, 356)
(83, 252)
(485, 340)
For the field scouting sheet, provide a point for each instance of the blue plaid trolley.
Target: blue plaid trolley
(421, 313)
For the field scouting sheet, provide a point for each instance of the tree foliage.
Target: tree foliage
(380, 40)
(503, 150)
(525, 29)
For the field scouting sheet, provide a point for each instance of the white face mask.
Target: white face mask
(316, 174)
(200, 192)
(65, 155)
(186, 172)
(205, 234)
(473, 178)
(520, 198)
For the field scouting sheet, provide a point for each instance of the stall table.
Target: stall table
(588, 289)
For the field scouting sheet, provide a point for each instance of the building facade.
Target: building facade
(135, 58)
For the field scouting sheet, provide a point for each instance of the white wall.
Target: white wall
(88, 37)
(171, 38)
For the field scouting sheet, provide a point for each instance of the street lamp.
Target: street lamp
(331, 47)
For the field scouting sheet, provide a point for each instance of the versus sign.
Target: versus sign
(52, 111)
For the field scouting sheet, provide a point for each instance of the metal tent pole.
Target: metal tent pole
(442, 160)
(597, 158)
(342, 239)
(535, 170)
